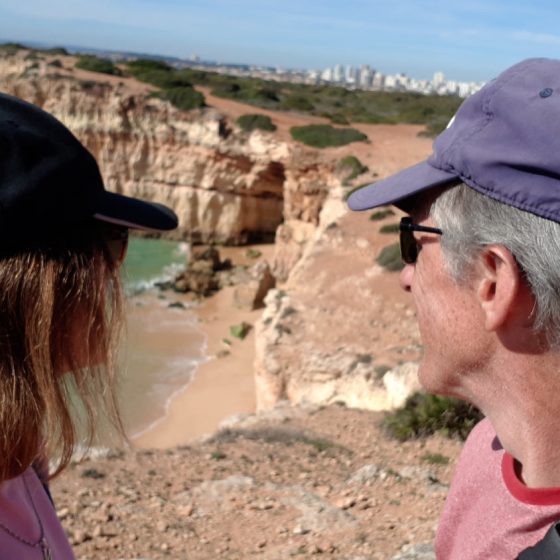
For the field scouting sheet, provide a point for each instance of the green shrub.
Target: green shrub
(253, 254)
(265, 93)
(58, 51)
(9, 49)
(184, 98)
(240, 331)
(55, 63)
(144, 64)
(164, 79)
(338, 118)
(324, 135)
(389, 228)
(350, 167)
(390, 258)
(381, 214)
(435, 459)
(424, 415)
(94, 64)
(297, 103)
(254, 122)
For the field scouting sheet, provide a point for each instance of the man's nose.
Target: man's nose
(405, 277)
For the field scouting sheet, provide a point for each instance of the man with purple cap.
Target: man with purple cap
(481, 247)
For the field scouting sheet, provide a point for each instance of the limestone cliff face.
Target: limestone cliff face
(338, 330)
(337, 324)
(225, 185)
(341, 329)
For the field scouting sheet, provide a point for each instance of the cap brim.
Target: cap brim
(134, 213)
(403, 184)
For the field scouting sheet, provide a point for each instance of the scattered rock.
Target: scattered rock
(365, 474)
(93, 473)
(401, 382)
(251, 294)
(200, 276)
(416, 552)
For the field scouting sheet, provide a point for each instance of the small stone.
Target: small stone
(345, 503)
(80, 536)
(161, 526)
(300, 530)
(97, 531)
(185, 510)
(63, 513)
(323, 490)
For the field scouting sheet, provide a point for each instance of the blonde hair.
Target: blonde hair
(61, 311)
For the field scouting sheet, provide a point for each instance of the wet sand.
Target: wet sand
(222, 386)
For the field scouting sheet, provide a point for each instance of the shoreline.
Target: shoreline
(221, 386)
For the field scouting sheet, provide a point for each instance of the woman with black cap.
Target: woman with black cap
(62, 240)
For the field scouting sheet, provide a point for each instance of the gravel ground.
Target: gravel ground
(303, 482)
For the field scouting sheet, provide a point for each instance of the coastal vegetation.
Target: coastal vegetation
(389, 228)
(379, 215)
(425, 414)
(339, 105)
(325, 135)
(95, 64)
(390, 258)
(10, 49)
(256, 122)
(184, 98)
(350, 167)
(174, 85)
(240, 331)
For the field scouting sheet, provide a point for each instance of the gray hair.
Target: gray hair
(471, 220)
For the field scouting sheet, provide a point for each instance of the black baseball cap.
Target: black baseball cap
(49, 180)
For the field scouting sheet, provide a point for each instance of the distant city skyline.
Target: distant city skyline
(467, 41)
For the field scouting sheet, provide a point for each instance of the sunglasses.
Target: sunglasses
(409, 245)
(116, 240)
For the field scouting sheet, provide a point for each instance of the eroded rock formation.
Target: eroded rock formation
(225, 185)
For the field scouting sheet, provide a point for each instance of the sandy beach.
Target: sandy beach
(222, 386)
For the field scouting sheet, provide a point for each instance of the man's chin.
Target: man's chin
(431, 379)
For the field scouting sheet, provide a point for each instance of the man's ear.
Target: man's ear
(500, 289)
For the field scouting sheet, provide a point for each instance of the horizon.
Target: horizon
(471, 41)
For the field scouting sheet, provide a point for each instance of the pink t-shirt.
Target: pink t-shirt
(489, 512)
(17, 515)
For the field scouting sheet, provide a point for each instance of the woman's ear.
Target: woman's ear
(501, 292)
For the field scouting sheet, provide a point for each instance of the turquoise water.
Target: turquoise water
(151, 260)
(163, 346)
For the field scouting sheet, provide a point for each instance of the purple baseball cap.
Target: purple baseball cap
(503, 142)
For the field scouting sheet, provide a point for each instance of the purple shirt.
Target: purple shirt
(22, 499)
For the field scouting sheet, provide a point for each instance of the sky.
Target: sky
(467, 40)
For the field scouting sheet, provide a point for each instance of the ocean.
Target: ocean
(163, 345)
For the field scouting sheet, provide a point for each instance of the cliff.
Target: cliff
(225, 185)
(341, 329)
(339, 322)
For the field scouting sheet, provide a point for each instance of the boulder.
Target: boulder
(250, 295)
(400, 383)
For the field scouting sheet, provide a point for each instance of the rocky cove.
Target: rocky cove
(336, 339)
